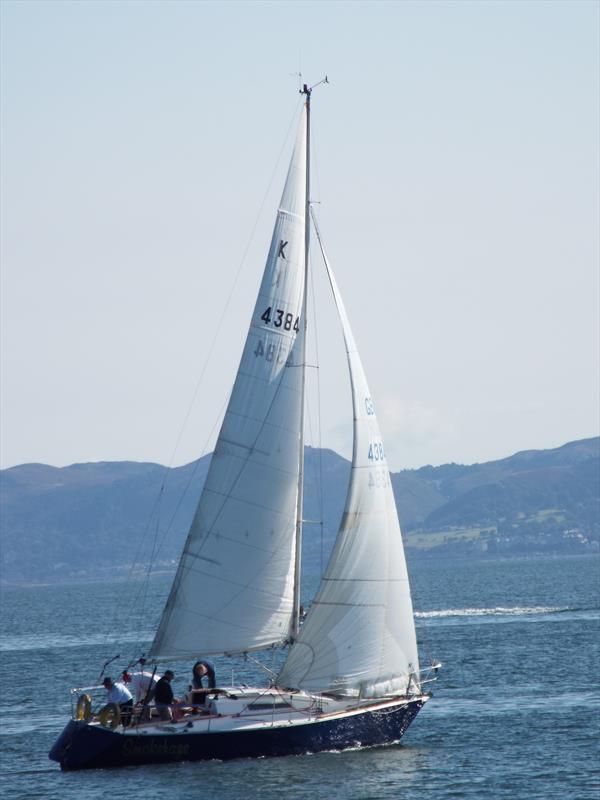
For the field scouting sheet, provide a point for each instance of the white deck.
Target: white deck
(256, 709)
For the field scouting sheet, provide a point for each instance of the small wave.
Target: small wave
(58, 641)
(16, 726)
(510, 702)
(497, 611)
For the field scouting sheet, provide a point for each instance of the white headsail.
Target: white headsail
(359, 636)
(234, 586)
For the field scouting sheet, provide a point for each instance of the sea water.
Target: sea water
(515, 712)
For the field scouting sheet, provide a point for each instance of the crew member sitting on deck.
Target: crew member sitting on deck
(119, 694)
(163, 696)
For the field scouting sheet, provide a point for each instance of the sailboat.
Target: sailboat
(351, 676)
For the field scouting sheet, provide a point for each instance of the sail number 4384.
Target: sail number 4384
(280, 319)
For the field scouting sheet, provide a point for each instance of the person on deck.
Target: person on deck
(141, 684)
(203, 669)
(163, 696)
(119, 694)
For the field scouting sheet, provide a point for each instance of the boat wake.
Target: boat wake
(498, 611)
(505, 615)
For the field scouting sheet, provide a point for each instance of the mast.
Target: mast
(299, 502)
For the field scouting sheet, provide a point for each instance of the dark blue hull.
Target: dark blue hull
(83, 746)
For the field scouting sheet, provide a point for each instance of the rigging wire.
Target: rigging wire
(316, 435)
(425, 639)
(217, 330)
(317, 182)
(158, 545)
(184, 571)
(122, 591)
(319, 480)
(156, 507)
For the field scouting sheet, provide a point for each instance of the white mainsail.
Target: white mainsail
(233, 590)
(359, 635)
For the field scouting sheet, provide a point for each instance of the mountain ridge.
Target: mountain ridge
(90, 519)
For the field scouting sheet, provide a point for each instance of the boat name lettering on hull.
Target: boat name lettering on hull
(178, 749)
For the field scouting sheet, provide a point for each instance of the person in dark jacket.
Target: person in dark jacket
(163, 696)
(203, 669)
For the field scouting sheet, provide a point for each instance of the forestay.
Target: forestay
(233, 590)
(359, 636)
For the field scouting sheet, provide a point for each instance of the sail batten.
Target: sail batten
(243, 532)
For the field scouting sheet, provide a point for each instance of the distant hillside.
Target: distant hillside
(92, 520)
(533, 501)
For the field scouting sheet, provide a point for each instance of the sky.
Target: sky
(456, 177)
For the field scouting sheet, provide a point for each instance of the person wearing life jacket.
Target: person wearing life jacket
(119, 694)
